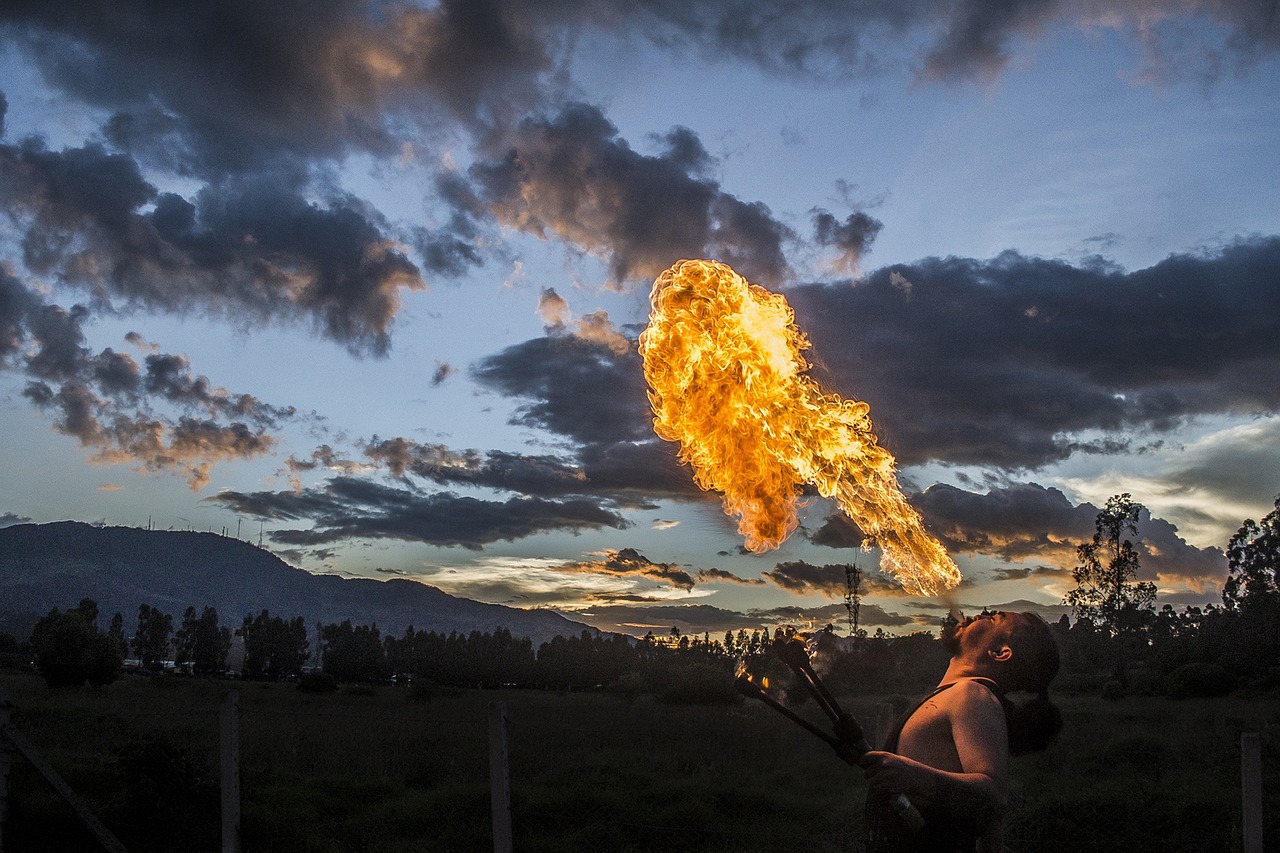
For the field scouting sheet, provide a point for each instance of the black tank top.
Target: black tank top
(942, 833)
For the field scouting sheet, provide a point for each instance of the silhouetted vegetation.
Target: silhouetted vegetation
(274, 649)
(201, 643)
(69, 649)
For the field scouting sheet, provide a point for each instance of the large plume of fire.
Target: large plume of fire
(728, 381)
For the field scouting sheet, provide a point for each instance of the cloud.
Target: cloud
(813, 618)
(571, 176)
(803, 578)
(553, 308)
(163, 418)
(595, 326)
(1010, 362)
(721, 576)
(252, 250)
(442, 372)
(576, 388)
(233, 86)
(1029, 521)
(9, 519)
(628, 561)
(851, 238)
(525, 582)
(640, 619)
(346, 508)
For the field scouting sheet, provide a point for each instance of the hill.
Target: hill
(43, 566)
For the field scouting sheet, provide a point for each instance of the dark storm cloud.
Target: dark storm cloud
(1002, 362)
(1021, 573)
(571, 176)
(106, 402)
(254, 249)
(234, 86)
(721, 576)
(629, 561)
(852, 238)
(623, 474)
(169, 376)
(837, 531)
(115, 433)
(9, 519)
(970, 39)
(810, 618)
(576, 388)
(802, 578)
(1029, 521)
(594, 395)
(346, 507)
(528, 475)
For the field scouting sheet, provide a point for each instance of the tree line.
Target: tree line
(1118, 640)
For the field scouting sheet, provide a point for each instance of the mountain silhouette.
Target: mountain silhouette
(43, 566)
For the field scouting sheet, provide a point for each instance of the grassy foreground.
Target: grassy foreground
(378, 770)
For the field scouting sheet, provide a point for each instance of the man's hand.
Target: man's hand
(892, 774)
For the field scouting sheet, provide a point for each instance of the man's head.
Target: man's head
(1015, 649)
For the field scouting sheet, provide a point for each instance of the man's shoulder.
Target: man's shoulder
(972, 692)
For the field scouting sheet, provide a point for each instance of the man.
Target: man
(950, 753)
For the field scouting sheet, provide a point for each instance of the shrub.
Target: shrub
(1112, 690)
(1198, 680)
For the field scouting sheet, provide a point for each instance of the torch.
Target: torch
(846, 736)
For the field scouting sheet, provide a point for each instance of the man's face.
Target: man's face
(977, 632)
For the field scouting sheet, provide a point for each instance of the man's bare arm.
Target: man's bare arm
(978, 792)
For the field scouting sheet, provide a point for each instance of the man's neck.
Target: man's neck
(959, 669)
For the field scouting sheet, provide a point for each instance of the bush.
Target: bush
(317, 682)
(1112, 690)
(1194, 680)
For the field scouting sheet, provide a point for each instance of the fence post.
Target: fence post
(230, 760)
(1251, 788)
(499, 778)
(5, 708)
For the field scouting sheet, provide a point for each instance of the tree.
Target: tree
(116, 633)
(1251, 594)
(70, 649)
(353, 653)
(151, 637)
(1253, 563)
(273, 648)
(1107, 590)
(202, 643)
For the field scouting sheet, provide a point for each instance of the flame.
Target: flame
(728, 382)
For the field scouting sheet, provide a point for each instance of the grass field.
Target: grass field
(377, 770)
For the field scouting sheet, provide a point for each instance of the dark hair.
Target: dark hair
(1035, 659)
(1035, 723)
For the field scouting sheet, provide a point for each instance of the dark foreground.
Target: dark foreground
(381, 769)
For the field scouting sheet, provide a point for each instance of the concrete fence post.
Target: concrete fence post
(5, 708)
(1251, 790)
(499, 778)
(230, 761)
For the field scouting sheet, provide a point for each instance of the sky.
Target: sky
(363, 282)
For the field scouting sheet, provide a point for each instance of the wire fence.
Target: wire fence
(375, 769)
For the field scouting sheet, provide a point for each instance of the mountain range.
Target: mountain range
(43, 566)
